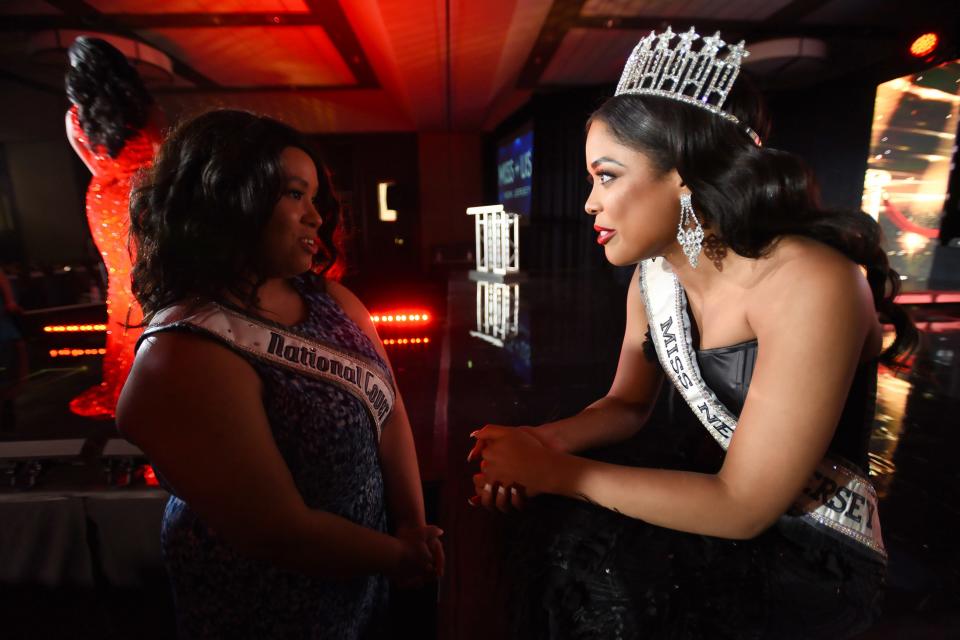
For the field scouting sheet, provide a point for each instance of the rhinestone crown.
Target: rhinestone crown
(699, 78)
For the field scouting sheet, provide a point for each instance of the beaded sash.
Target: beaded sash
(359, 376)
(836, 499)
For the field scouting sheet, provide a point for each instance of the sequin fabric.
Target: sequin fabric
(329, 443)
(582, 571)
(108, 215)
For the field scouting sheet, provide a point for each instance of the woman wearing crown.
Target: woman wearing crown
(741, 506)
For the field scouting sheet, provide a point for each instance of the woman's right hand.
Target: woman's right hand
(515, 498)
(421, 558)
(541, 434)
(547, 437)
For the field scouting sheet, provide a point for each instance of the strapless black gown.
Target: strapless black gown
(581, 571)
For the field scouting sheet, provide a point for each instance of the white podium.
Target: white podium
(498, 312)
(497, 242)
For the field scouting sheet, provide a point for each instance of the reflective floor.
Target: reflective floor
(541, 348)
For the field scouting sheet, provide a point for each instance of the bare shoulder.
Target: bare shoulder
(183, 353)
(175, 370)
(805, 280)
(804, 266)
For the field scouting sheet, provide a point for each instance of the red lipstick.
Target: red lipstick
(605, 234)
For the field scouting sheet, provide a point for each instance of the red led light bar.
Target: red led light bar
(73, 353)
(74, 328)
(928, 297)
(401, 317)
(406, 342)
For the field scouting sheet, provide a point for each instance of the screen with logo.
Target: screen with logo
(515, 171)
(911, 157)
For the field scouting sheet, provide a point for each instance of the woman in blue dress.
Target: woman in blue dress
(263, 397)
(741, 508)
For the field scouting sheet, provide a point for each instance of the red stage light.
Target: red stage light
(924, 45)
(401, 316)
(405, 342)
(72, 328)
(150, 476)
(74, 353)
(928, 297)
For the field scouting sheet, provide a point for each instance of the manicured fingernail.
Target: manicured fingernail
(501, 490)
(474, 434)
(513, 490)
(488, 487)
(473, 501)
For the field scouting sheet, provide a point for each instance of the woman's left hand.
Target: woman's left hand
(514, 465)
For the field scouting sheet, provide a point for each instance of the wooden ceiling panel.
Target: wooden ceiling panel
(258, 56)
(367, 22)
(416, 34)
(199, 6)
(712, 9)
(591, 56)
(522, 32)
(407, 64)
(478, 33)
(489, 43)
(308, 111)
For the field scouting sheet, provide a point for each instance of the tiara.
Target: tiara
(698, 78)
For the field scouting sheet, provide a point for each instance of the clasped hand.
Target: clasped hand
(422, 558)
(515, 464)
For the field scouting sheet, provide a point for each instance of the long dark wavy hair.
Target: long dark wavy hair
(751, 196)
(198, 214)
(112, 103)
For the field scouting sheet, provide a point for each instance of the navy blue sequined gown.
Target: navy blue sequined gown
(329, 443)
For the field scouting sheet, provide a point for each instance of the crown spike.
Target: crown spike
(700, 78)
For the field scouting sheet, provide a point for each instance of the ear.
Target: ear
(674, 177)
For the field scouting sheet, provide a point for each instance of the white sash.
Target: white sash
(836, 497)
(358, 376)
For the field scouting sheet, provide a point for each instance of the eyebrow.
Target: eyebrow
(602, 159)
(298, 179)
(301, 182)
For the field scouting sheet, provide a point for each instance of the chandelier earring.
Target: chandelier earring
(689, 231)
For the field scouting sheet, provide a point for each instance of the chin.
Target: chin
(301, 267)
(293, 271)
(620, 259)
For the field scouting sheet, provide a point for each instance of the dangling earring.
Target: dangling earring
(690, 239)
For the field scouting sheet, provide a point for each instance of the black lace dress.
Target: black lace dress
(581, 571)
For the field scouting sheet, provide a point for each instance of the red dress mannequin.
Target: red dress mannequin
(107, 214)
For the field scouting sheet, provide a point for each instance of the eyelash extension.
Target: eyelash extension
(601, 174)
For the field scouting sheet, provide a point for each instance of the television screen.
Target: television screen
(911, 148)
(515, 171)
